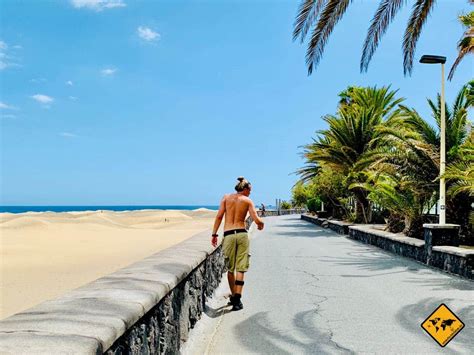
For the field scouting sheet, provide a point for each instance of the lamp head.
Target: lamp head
(433, 59)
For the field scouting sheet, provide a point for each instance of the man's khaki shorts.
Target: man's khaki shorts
(236, 252)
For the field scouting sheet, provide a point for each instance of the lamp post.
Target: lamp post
(436, 59)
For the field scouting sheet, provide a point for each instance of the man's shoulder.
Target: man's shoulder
(247, 199)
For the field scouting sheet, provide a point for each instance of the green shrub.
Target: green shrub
(314, 204)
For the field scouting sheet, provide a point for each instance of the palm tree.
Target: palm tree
(410, 150)
(466, 44)
(462, 175)
(319, 17)
(400, 196)
(351, 135)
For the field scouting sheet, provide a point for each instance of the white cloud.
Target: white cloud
(8, 115)
(6, 57)
(3, 55)
(38, 80)
(147, 34)
(67, 134)
(73, 98)
(5, 106)
(97, 5)
(43, 99)
(69, 82)
(108, 71)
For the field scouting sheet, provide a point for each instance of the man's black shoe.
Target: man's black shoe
(237, 306)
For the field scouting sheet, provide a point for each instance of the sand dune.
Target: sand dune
(45, 254)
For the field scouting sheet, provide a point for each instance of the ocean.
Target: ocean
(22, 209)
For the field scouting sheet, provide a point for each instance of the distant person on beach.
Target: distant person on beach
(263, 210)
(236, 241)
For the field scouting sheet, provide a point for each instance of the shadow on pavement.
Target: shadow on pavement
(258, 335)
(374, 260)
(296, 224)
(303, 231)
(216, 312)
(444, 282)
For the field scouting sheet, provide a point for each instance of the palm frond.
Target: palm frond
(330, 16)
(307, 14)
(421, 10)
(466, 46)
(379, 23)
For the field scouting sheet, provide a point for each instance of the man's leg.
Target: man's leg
(238, 286)
(231, 279)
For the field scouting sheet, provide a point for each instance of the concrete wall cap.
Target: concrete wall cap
(398, 237)
(440, 226)
(339, 223)
(454, 250)
(103, 329)
(44, 343)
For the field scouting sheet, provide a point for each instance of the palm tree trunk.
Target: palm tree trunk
(362, 206)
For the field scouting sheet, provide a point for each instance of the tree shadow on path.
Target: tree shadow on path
(259, 335)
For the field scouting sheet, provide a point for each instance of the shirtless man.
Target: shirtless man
(236, 241)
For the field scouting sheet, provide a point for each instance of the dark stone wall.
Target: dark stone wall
(339, 228)
(456, 260)
(455, 264)
(400, 248)
(313, 219)
(166, 326)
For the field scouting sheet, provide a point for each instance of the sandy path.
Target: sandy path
(45, 254)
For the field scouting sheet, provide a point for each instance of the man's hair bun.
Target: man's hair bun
(242, 184)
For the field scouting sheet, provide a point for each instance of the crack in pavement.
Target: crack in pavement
(318, 312)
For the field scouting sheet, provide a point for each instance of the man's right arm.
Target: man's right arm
(253, 213)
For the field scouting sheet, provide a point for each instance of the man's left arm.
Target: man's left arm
(218, 221)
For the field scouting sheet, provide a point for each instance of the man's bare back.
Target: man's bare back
(236, 208)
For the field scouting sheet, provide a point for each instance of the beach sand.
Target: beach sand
(45, 254)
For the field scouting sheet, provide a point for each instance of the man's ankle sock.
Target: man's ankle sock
(237, 305)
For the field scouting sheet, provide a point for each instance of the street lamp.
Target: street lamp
(437, 59)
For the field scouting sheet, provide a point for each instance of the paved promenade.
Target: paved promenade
(311, 291)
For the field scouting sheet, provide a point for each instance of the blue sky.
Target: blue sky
(167, 102)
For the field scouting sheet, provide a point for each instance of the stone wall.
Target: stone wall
(313, 219)
(453, 259)
(449, 258)
(166, 325)
(395, 243)
(145, 308)
(340, 227)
